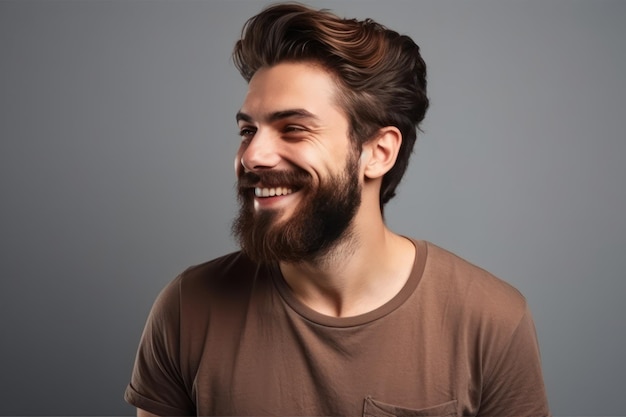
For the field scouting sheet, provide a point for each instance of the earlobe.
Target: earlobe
(382, 152)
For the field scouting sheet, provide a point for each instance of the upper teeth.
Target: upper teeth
(271, 192)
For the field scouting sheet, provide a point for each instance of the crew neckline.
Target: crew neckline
(421, 253)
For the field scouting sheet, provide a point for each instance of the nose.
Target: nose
(260, 152)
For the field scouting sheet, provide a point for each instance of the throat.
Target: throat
(351, 282)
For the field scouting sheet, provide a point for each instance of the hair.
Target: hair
(380, 74)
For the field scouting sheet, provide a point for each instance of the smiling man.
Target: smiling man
(325, 310)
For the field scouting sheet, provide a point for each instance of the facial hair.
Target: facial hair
(321, 220)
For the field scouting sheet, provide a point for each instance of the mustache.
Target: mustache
(295, 179)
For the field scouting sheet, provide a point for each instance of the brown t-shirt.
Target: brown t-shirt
(228, 338)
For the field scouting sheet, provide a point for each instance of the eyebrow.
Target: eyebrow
(279, 115)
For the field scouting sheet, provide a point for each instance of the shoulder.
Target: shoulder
(204, 283)
(472, 292)
(230, 270)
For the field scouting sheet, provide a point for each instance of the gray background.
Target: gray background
(117, 140)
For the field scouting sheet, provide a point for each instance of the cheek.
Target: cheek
(320, 160)
(237, 162)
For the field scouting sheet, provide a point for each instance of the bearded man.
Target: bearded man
(325, 310)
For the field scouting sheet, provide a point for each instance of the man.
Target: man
(325, 311)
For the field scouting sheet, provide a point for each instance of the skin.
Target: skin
(290, 119)
(361, 273)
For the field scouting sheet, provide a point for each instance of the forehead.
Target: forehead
(291, 86)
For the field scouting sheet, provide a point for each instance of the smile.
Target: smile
(272, 192)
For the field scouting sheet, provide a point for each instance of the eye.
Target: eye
(294, 129)
(246, 132)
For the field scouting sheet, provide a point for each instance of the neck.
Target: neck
(363, 271)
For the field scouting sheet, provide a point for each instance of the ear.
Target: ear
(380, 153)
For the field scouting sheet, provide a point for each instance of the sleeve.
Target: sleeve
(514, 385)
(157, 384)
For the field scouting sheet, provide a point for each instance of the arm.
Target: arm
(144, 413)
(157, 382)
(515, 384)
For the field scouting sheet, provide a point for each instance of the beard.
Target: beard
(321, 220)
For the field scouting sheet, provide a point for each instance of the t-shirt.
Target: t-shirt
(229, 338)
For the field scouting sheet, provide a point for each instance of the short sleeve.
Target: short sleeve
(157, 384)
(514, 385)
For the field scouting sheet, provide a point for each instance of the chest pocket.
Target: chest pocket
(373, 408)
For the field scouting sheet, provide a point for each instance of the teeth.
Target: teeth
(271, 192)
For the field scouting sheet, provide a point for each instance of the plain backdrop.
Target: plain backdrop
(117, 139)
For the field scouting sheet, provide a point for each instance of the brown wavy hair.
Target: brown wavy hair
(380, 74)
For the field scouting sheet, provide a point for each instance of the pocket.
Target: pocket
(374, 408)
